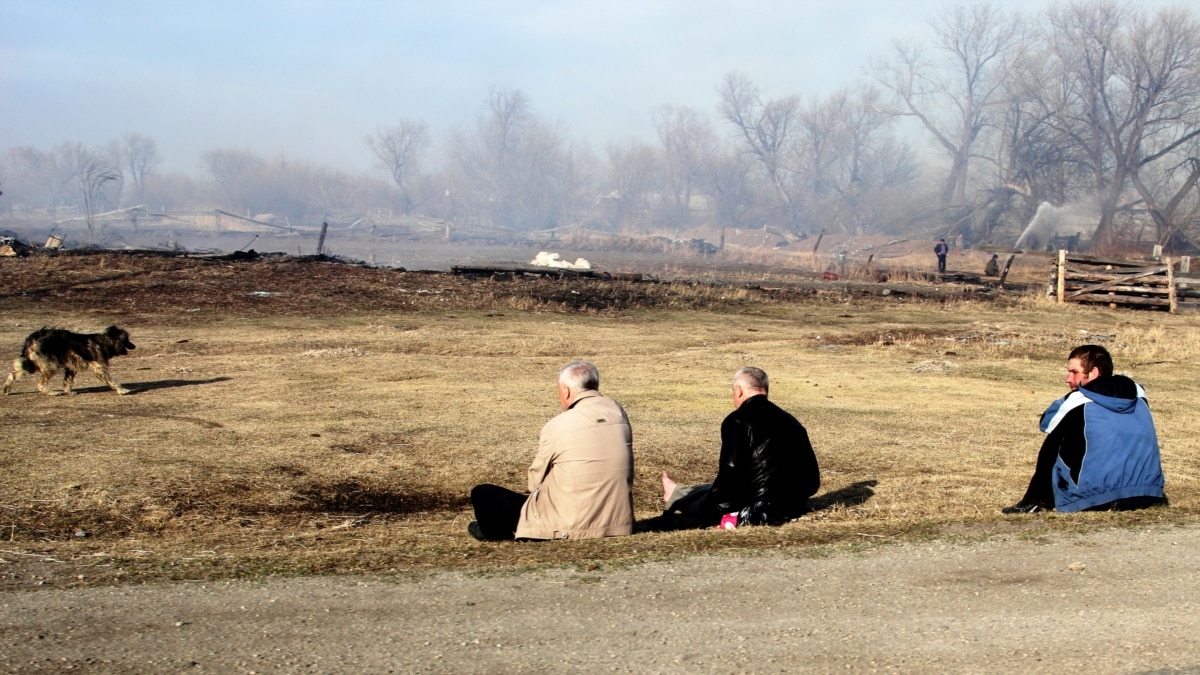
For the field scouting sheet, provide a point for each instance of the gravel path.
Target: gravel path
(1114, 601)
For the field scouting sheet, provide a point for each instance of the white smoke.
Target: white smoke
(1050, 220)
(544, 259)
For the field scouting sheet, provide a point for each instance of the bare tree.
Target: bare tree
(851, 165)
(58, 177)
(515, 169)
(633, 178)
(138, 159)
(1128, 96)
(1166, 58)
(689, 144)
(31, 176)
(727, 177)
(399, 150)
(238, 178)
(765, 128)
(94, 173)
(955, 90)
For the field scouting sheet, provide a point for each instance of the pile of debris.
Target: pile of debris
(11, 246)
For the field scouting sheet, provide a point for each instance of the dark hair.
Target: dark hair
(1093, 356)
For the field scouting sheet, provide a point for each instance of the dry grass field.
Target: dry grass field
(294, 417)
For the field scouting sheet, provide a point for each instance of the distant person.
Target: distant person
(1101, 449)
(767, 469)
(992, 268)
(581, 480)
(941, 250)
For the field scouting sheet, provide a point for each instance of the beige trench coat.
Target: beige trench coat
(581, 481)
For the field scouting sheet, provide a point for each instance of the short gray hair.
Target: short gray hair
(751, 378)
(579, 376)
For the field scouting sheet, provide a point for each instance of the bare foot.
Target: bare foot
(668, 486)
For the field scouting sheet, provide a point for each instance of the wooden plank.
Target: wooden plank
(256, 222)
(1128, 278)
(1171, 285)
(1017, 251)
(1121, 300)
(1062, 275)
(1092, 279)
(1076, 289)
(1108, 261)
(1107, 270)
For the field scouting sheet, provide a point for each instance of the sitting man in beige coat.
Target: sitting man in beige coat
(580, 482)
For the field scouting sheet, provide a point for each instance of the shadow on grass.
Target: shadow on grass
(851, 495)
(350, 496)
(138, 387)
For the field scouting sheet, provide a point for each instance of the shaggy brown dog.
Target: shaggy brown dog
(50, 349)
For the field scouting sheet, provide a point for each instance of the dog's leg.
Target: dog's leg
(101, 371)
(44, 381)
(68, 380)
(13, 376)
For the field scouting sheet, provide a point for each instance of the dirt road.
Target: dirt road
(1117, 601)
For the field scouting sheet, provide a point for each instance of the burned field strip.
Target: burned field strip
(177, 288)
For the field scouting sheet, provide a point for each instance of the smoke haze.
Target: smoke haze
(310, 80)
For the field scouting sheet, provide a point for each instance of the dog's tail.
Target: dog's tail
(25, 364)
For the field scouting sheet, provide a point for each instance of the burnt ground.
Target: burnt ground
(135, 284)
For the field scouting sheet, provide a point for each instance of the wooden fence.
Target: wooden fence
(1164, 283)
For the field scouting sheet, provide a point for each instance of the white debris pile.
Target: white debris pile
(545, 259)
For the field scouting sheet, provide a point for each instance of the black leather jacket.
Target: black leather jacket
(767, 463)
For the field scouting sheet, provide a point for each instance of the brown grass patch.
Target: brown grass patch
(338, 423)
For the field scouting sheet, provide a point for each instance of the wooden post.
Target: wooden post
(321, 240)
(1062, 276)
(1004, 274)
(1174, 302)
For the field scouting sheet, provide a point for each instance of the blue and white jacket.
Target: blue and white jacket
(1108, 448)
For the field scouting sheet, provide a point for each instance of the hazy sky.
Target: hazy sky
(312, 79)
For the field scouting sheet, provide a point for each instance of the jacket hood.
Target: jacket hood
(1116, 393)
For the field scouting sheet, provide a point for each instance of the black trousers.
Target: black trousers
(497, 510)
(1041, 487)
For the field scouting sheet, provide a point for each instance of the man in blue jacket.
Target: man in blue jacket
(1101, 450)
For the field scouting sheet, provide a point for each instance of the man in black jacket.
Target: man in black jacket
(767, 467)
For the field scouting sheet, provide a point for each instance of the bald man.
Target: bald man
(767, 468)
